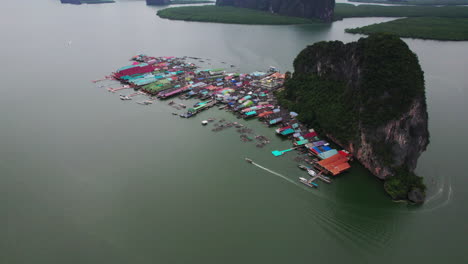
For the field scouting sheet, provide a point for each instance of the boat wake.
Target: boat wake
(441, 198)
(363, 232)
(276, 173)
(285, 178)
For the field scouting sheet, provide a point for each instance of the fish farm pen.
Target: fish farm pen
(247, 96)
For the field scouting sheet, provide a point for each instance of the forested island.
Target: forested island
(349, 10)
(312, 9)
(439, 28)
(230, 15)
(426, 22)
(369, 97)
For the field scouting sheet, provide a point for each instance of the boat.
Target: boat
(147, 102)
(306, 182)
(325, 179)
(204, 122)
(125, 97)
(311, 172)
(248, 160)
(302, 167)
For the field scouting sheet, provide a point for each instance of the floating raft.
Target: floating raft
(277, 153)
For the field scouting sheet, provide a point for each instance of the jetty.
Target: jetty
(309, 183)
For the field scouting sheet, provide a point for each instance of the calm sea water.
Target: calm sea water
(87, 178)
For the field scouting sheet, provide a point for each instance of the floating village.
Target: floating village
(247, 96)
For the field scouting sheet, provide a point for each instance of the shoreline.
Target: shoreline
(231, 15)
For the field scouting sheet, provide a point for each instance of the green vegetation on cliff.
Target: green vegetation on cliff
(386, 89)
(351, 91)
(402, 183)
(349, 10)
(437, 28)
(230, 15)
(332, 109)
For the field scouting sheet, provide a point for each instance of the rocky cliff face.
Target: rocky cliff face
(158, 2)
(321, 9)
(369, 97)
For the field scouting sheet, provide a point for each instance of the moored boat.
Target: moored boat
(311, 172)
(325, 178)
(306, 182)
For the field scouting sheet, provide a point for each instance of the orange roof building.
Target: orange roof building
(278, 75)
(336, 164)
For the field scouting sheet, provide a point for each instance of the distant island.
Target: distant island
(311, 9)
(231, 15)
(439, 28)
(369, 97)
(434, 22)
(414, 2)
(425, 22)
(79, 2)
(349, 10)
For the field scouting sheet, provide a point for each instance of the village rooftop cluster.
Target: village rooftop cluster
(247, 96)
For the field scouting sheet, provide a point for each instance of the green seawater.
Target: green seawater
(88, 178)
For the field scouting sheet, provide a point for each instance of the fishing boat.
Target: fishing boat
(325, 179)
(248, 160)
(306, 182)
(311, 172)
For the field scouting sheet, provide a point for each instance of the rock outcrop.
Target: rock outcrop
(369, 97)
(320, 9)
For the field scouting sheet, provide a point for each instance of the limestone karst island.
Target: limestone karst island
(233, 131)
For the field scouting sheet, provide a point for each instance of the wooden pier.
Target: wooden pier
(113, 90)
